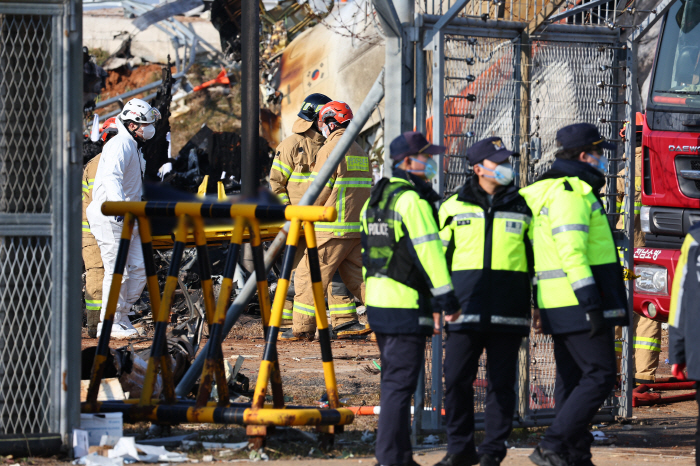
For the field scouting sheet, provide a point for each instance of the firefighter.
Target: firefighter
(338, 242)
(484, 227)
(684, 317)
(580, 292)
(119, 177)
(289, 179)
(647, 332)
(405, 268)
(94, 271)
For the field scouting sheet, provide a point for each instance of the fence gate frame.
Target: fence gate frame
(50, 234)
(427, 32)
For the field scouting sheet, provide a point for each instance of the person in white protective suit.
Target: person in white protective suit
(119, 177)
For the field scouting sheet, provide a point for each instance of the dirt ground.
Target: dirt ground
(657, 434)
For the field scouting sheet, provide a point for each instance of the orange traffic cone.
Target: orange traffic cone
(222, 78)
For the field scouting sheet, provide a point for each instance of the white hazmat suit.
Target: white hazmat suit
(119, 177)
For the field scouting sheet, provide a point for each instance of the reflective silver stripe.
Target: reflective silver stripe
(583, 282)
(502, 320)
(612, 313)
(549, 274)
(534, 280)
(427, 321)
(513, 216)
(544, 211)
(469, 215)
(570, 227)
(441, 291)
(595, 206)
(445, 242)
(466, 319)
(425, 239)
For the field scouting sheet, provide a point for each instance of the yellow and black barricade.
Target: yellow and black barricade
(256, 415)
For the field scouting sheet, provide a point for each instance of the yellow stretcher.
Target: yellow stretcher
(164, 234)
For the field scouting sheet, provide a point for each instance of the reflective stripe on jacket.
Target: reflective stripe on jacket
(393, 307)
(88, 183)
(684, 315)
(293, 162)
(577, 270)
(487, 247)
(347, 190)
(639, 239)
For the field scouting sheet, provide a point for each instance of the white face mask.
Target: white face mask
(503, 173)
(148, 132)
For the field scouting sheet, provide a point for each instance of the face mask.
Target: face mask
(148, 132)
(430, 169)
(503, 174)
(602, 163)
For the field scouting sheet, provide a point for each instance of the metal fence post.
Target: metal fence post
(437, 46)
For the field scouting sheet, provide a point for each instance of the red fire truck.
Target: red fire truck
(670, 180)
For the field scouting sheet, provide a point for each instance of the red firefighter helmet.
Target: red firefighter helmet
(108, 129)
(332, 115)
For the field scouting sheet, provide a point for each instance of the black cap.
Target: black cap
(581, 135)
(489, 148)
(312, 105)
(412, 143)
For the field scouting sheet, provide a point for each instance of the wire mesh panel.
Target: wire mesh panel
(480, 90)
(29, 394)
(25, 113)
(25, 342)
(564, 90)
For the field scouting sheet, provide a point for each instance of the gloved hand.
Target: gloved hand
(119, 218)
(678, 371)
(598, 325)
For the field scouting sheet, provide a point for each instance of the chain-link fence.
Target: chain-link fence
(40, 100)
(571, 81)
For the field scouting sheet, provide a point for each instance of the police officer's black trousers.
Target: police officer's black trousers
(586, 373)
(402, 359)
(462, 352)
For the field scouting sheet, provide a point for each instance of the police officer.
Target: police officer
(580, 292)
(404, 267)
(484, 227)
(684, 317)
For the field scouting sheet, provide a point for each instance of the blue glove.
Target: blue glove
(119, 218)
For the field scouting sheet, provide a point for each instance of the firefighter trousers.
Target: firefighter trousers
(94, 276)
(647, 348)
(338, 294)
(343, 255)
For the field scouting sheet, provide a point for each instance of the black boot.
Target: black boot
(543, 457)
(460, 459)
(489, 460)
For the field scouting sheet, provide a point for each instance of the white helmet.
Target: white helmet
(140, 112)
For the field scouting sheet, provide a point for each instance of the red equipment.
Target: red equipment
(670, 175)
(332, 115)
(221, 78)
(670, 181)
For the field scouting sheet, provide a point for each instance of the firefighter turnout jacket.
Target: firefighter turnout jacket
(488, 250)
(402, 257)
(294, 160)
(347, 190)
(88, 182)
(684, 315)
(639, 240)
(576, 264)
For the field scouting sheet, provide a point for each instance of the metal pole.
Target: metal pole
(627, 363)
(250, 96)
(525, 90)
(375, 95)
(438, 70)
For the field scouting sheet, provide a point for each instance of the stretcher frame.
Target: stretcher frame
(257, 416)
